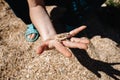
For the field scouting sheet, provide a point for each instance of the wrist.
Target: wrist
(48, 37)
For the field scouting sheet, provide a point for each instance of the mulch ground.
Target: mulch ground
(19, 61)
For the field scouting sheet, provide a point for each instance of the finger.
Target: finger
(77, 30)
(82, 40)
(41, 48)
(75, 45)
(59, 46)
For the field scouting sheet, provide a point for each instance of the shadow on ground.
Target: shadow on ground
(95, 65)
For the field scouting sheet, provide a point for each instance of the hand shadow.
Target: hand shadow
(95, 65)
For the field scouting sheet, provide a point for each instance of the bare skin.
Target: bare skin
(63, 44)
(42, 22)
(31, 36)
(40, 19)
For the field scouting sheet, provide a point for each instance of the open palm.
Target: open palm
(62, 43)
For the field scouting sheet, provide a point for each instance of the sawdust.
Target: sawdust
(19, 61)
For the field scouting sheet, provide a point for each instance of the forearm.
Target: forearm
(42, 22)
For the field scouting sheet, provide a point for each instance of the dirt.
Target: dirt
(19, 61)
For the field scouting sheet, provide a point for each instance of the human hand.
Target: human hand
(61, 43)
